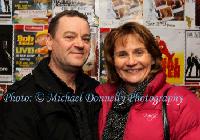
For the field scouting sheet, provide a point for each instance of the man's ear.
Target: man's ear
(49, 42)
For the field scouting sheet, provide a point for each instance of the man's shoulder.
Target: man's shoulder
(25, 84)
(90, 81)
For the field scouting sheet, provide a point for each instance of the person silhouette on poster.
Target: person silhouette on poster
(190, 64)
(195, 60)
(0, 7)
(163, 48)
(7, 6)
(5, 59)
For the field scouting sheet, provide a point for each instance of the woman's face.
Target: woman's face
(132, 60)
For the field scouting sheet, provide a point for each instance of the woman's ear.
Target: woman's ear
(153, 62)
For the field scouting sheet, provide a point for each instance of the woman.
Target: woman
(136, 84)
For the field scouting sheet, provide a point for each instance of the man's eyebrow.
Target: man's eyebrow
(86, 35)
(74, 33)
(70, 32)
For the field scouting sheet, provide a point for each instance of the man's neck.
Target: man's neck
(67, 77)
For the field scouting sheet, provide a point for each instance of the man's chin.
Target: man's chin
(73, 68)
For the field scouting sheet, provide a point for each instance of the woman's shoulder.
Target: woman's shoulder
(106, 89)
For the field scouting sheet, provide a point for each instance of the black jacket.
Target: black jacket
(42, 107)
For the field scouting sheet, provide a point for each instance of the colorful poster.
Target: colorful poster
(6, 46)
(102, 69)
(3, 90)
(30, 48)
(5, 12)
(192, 59)
(91, 65)
(113, 13)
(171, 44)
(32, 11)
(85, 7)
(197, 12)
(176, 14)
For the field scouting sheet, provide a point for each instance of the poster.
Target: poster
(30, 48)
(113, 13)
(6, 47)
(85, 7)
(197, 13)
(102, 69)
(171, 44)
(175, 14)
(91, 65)
(31, 11)
(5, 12)
(3, 90)
(192, 61)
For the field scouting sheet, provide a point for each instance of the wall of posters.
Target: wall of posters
(24, 25)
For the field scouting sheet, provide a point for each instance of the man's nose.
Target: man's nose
(79, 42)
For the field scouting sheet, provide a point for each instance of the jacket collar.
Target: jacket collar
(156, 84)
(49, 81)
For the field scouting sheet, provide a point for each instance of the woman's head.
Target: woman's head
(131, 54)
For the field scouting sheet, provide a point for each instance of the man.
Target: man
(163, 48)
(49, 104)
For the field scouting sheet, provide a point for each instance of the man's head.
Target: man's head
(158, 38)
(68, 13)
(69, 40)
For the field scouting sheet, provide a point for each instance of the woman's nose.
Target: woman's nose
(131, 60)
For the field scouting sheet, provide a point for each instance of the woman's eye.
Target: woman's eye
(121, 54)
(139, 52)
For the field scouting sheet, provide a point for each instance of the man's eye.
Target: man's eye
(86, 39)
(69, 37)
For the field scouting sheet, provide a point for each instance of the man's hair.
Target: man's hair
(143, 35)
(69, 13)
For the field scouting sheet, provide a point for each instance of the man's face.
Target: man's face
(71, 44)
(158, 39)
